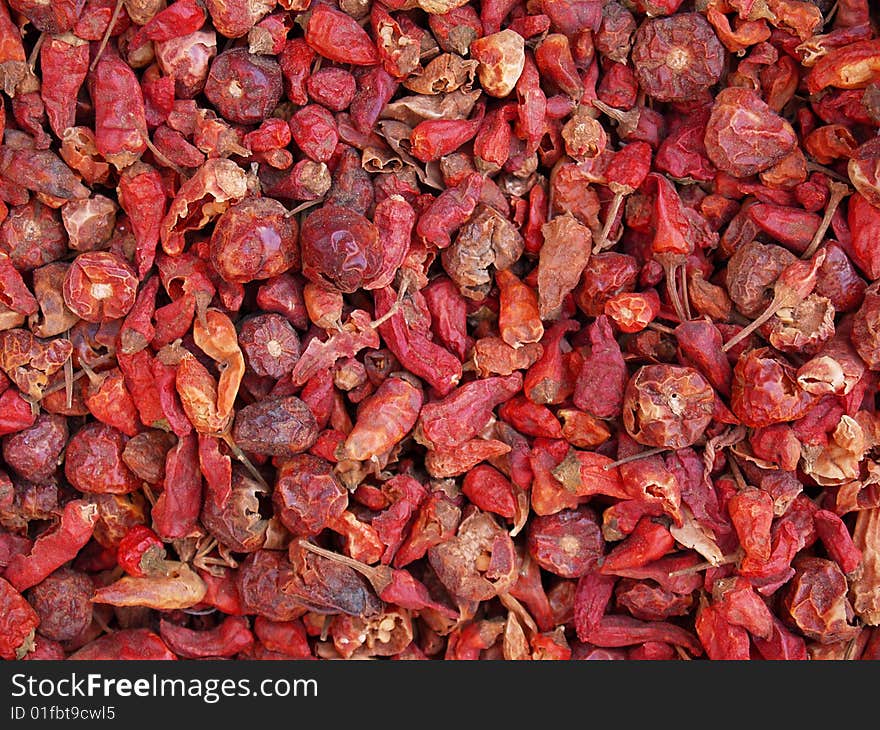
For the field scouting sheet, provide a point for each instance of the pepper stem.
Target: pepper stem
(737, 474)
(148, 493)
(685, 300)
(106, 39)
(603, 241)
(62, 385)
(35, 52)
(93, 377)
(672, 270)
(370, 573)
(705, 565)
(816, 167)
(161, 157)
(829, 16)
(838, 193)
(610, 111)
(394, 308)
(661, 328)
(68, 379)
(305, 206)
(635, 457)
(242, 457)
(781, 298)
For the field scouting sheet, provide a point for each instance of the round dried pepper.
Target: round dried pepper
(254, 239)
(677, 58)
(667, 406)
(99, 286)
(243, 87)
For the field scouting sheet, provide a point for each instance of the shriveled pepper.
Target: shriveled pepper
(55, 546)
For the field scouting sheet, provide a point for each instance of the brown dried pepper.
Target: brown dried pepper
(563, 256)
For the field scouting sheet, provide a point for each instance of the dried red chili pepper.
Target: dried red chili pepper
(15, 295)
(765, 392)
(42, 172)
(64, 64)
(142, 197)
(176, 510)
(13, 66)
(126, 644)
(120, 124)
(16, 413)
(425, 240)
(677, 57)
(180, 18)
(614, 631)
(649, 541)
(667, 406)
(434, 138)
(413, 349)
(211, 190)
(54, 547)
(383, 420)
(852, 66)
(770, 136)
(338, 37)
(18, 623)
(140, 551)
(227, 639)
(837, 540)
(177, 587)
(449, 211)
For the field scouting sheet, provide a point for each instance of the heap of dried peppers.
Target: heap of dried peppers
(435, 329)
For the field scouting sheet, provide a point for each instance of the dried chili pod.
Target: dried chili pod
(667, 406)
(177, 587)
(479, 562)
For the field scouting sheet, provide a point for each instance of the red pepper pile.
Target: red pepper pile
(522, 329)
